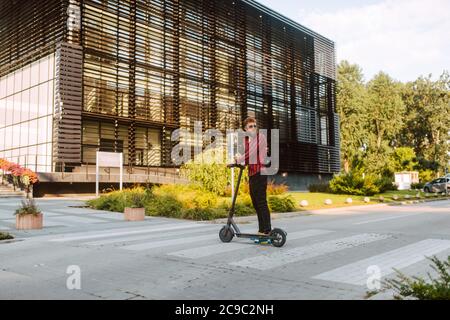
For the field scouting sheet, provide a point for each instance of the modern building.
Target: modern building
(77, 76)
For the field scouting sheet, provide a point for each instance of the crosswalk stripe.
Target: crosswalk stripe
(145, 237)
(357, 273)
(171, 242)
(201, 252)
(386, 218)
(286, 256)
(75, 220)
(122, 233)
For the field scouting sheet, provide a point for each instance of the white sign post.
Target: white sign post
(232, 144)
(110, 160)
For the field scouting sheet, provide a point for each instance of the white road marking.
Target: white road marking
(356, 273)
(386, 218)
(146, 237)
(171, 242)
(201, 252)
(130, 232)
(77, 220)
(283, 257)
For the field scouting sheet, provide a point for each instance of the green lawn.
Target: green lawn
(316, 200)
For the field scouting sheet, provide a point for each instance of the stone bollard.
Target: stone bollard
(381, 199)
(366, 199)
(395, 197)
(349, 201)
(304, 203)
(328, 202)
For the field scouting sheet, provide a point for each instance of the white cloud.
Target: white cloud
(405, 38)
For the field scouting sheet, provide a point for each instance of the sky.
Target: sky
(405, 38)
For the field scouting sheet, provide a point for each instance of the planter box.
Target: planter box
(29, 221)
(134, 214)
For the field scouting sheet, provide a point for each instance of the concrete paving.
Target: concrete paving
(331, 254)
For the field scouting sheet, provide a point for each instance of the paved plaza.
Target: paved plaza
(330, 254)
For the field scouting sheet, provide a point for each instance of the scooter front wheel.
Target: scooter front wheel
(278, 237)
(226, 234)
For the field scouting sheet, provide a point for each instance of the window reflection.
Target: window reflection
(26, 109)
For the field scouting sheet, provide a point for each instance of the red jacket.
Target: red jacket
(255, 153)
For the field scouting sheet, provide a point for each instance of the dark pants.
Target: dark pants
(258, 193)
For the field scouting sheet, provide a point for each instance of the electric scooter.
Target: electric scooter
(277, 237)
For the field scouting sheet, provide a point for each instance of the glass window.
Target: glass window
(2, 112)
(50, 97)
(17, 108)
(34, 78)
(2, 139)
(42, 130)
(33, 132)
(34, 99)
(43, 70)
(23, 134)
(324, 130)
(17, 81)
(3, 87)
(26, 77)
(49, 129)
(10, 84)
(25, 114)
(51, 66)
(43, 100)
(8, 137)
(9, 110)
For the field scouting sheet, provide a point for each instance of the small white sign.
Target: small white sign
(109, 160)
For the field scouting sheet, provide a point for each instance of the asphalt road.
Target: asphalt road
(332, 254)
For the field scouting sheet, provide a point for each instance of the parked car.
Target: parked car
(437, 185)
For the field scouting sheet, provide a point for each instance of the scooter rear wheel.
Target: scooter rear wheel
(226, 234)
(278, 237)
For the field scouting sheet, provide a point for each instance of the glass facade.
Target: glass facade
(26, 115)
(131, 72)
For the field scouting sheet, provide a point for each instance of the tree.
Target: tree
(428, 105)
(386, 114)
(351, 107)
(404, 159)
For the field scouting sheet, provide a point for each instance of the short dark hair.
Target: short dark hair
(249, 120)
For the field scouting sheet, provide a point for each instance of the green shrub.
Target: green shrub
(319, 187)
(212, 175)
(417, 186)
(353, 183)
(385, 184)
(274, 189)
(190, 196)
(416, 287)
(243, 207)
(164, 206)
(281, 204)
(117, 201)
(5, 236)
(427, 175)
(28, 207)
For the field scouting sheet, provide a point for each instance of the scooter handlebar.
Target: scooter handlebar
(235, 165)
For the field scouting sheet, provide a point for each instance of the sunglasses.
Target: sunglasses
(252, 126)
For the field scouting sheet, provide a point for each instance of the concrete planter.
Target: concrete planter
(29, 221)
(134, 214)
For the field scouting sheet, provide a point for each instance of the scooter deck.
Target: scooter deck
(261, 240)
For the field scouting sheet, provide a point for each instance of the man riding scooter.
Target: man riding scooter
(255, 152)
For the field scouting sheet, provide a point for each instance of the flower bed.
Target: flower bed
(19, 176)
